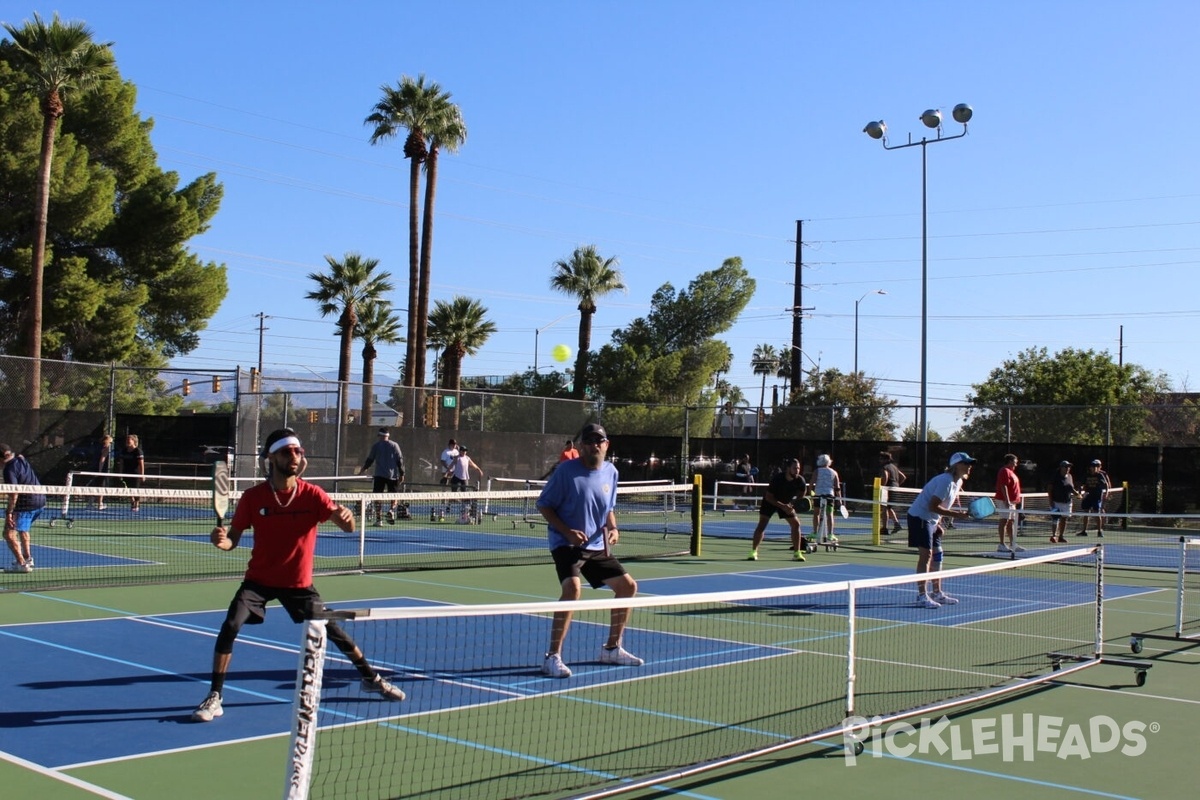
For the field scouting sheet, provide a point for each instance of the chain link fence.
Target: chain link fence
(186, 419)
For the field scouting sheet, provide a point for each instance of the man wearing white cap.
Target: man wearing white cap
(925, 526)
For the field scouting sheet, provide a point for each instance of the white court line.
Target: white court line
(58, 776)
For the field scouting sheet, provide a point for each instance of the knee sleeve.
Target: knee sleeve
(225, 637)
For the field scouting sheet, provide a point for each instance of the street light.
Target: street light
(856, 302)
(931, 118)
(537, 332)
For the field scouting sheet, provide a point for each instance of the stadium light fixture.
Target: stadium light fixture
(877, 129)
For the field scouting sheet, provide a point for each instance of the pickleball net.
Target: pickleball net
(1184, 627)
(111, 536)
(728, 676)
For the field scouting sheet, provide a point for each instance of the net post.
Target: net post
(877, 518)
(1099, 551)
(697, 512)
(303, 739)
(1125, 505)
(1181, 586)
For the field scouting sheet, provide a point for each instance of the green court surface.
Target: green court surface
(1078, 756)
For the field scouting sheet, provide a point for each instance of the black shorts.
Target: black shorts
(383, 484)
(249, 605)
(594, 566)
(1093, 503)
(765, 510)
(925, 535)
(458, 484)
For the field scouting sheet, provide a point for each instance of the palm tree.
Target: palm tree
(587, 277)
(459, 329)
(349, 285)
(377, 324)
(432, 122)
(446, 132)
(765, 362)
(54, 59)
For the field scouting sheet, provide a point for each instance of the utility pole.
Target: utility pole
(262, 318)
(797, 305)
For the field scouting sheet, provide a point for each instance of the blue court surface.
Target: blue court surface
(86, 691)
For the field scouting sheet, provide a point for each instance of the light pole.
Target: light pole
(932, 118)
(537, 332)
(856, 302)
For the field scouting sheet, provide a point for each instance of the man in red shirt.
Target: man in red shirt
(1008, 503)
(284, 512)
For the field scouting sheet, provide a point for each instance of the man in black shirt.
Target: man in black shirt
(779, 498)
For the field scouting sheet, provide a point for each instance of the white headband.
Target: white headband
(286, 441)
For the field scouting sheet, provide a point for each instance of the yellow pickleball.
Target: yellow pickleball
(561, 353)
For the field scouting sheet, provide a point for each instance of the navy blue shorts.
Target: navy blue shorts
(922, 533)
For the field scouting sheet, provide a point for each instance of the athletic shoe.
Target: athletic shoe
(15, 567)
(798, 556)
(753, 556)
(924, 601)
(384, 689)
(209, 710)
(896, 529)
(391, 518)
(378, 523)
(941, 598)
(1003, 548)
(101, 507)
(554, 667)
(1018, 549)
(949, 523)
(1082, 533)
(1099, 535)
(619, 656)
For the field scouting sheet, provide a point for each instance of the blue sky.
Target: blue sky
(676, 134)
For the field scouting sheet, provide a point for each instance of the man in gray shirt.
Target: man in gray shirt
(389, 472)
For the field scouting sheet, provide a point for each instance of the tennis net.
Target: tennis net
(106, 536)
(728, 676)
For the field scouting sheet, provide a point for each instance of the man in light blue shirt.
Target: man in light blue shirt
(578, 503)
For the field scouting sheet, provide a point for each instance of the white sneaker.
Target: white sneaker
(941, 598)
(15, 567)
(382, 688)
(619, 656)
(554, 667)
(209, 710)
(924, 601)
(1018, 549)
(1003, 548)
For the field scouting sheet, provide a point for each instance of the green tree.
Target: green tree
(832, 405)
(119, 283)
(913, 430)
(53, 60)
(1084, 397)
(350, 284)
(587, 277)
(425, 111)
(377, 324)
(671, 355)
(459, 328)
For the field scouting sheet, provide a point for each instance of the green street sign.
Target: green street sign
(449, 401)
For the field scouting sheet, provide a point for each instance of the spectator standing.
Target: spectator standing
(133, 467)
(1095, 492)
(388, 461)
(1008, 503)
(102, 464)
(890, 477)
(1062, 494)
(447, 459)
(827, 486)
